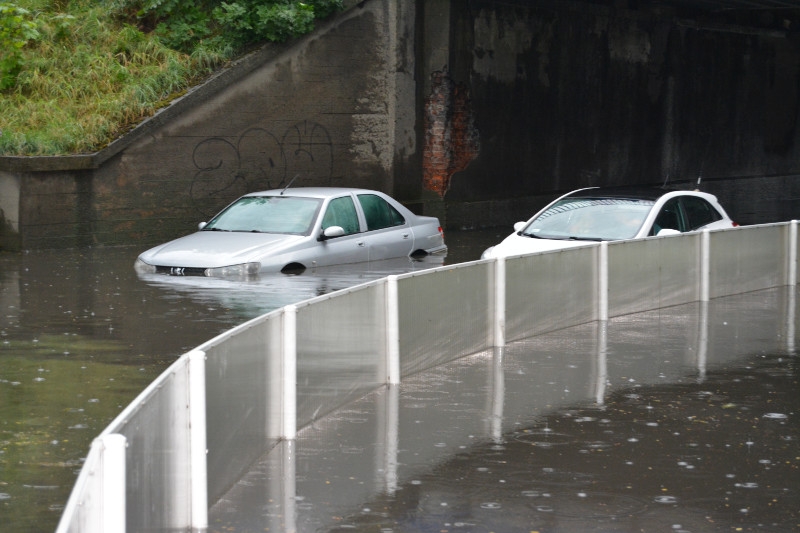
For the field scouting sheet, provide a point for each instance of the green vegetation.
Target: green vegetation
(76, 74)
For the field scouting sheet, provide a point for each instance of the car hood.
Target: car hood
(516, 244)
(212, 249)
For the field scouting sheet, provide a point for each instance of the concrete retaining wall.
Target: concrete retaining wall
(329, 109)
(475, 111)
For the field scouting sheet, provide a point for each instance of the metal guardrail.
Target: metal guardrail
(196, 429)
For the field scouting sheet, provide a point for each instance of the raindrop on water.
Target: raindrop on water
(666, 499)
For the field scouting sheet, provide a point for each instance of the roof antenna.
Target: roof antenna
(289, 184)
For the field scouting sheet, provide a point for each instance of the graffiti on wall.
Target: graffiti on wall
(259, 160)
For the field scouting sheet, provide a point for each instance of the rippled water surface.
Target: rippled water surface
(680, 420)
(537, 440)
(81, 335)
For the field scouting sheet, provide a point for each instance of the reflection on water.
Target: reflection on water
(682, 419)
(81, 335)
(702, 437)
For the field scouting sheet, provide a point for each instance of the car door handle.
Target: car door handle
(362, 243)
(405, 235)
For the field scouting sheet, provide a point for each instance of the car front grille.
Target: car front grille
(180, 271)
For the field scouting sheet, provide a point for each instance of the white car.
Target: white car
(612, 214)
(290, 230)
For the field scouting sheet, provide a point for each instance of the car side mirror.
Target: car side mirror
(201, 225)
(667, 231)
(331, 232)
(518, 226)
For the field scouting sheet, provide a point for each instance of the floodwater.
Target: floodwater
(683, 420)
(81, 335)
(675, 434)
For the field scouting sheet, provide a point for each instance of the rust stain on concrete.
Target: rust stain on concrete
(451, 139)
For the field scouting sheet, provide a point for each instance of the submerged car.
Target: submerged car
(612, 214)
(290, 230)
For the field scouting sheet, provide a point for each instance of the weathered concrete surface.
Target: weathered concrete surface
(9, 211)
(333, 108)
(475, 111)
(567, 94)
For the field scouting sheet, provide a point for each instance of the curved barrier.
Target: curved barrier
(191, 435)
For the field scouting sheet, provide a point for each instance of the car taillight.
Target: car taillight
(441, 232)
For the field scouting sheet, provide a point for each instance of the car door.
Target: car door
(348, 248)
(388, 234)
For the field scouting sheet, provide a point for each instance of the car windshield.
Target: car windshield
(268, 214)
(592, 219)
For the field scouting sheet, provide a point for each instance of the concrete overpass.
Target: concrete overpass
(478, 112)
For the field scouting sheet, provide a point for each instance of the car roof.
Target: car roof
(626, 191)
(311, 192)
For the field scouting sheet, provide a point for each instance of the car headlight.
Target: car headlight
(143, 268)
(241, 270)
(488, 253)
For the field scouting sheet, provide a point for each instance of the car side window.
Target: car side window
(379, 213)
(341, 212)
(699, 212)
(669, 218)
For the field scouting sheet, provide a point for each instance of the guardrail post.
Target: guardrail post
(705, 265)
(602, 282)
(113, 482)
(289, 381)
(198, 468)
(499, 333)
(392, 331)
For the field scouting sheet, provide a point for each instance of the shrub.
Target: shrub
(16, 30)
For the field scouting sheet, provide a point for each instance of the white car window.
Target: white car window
(669, 217)
(699, 212)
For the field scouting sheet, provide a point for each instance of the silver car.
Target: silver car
(290, 230)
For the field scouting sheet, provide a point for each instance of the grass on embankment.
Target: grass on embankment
(86, 79)
(75, 75)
